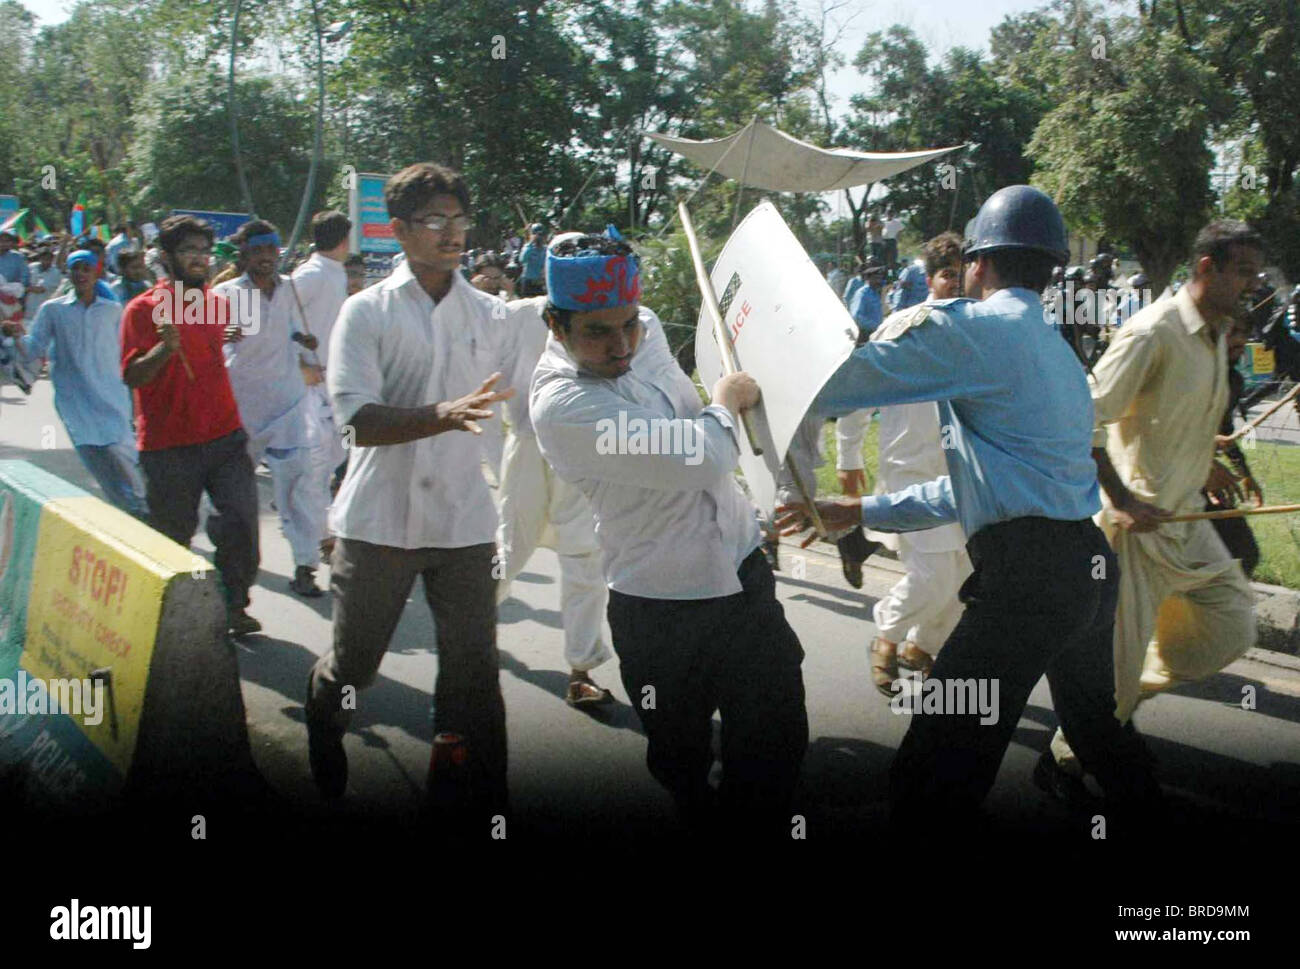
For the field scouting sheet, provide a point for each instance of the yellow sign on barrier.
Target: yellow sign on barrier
(98, 584)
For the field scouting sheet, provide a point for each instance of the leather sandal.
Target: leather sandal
(914, 657)
(884, 665)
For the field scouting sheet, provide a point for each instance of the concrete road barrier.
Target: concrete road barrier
(116, 677)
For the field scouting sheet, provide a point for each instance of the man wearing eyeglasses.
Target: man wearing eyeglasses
(188, 429)
(414, 363)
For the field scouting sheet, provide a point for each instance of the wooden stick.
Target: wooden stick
(1234, 513)
(1255, 422)
(720, 332)
(730, 365)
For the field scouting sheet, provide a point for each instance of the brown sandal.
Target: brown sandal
(914, 657)
(884, 665)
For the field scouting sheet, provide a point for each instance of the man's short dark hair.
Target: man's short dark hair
(96, 244)
(489, 260)
(119, 228)
(552, 313)
(256, 227)
(1028, 268)
(128, 254)
(1217, 239)
(176, 227)
(411, 189)
(356, 259)
(329, 228)
(942, 251)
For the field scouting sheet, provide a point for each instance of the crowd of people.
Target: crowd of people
(1033, 491)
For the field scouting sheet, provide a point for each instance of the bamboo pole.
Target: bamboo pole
(1234, 513)
(1245, 428)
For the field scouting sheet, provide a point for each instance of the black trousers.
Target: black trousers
(1236, 534)
(1041, 600)
(176, 477)
(681, 661)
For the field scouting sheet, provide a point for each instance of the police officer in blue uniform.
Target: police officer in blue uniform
(1014, 405)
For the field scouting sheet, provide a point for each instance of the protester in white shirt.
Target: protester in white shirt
(539, 508)
(413, 364)
(272, 396)
(320, 285)
(44, 279)
(693, 611)
(891, 230)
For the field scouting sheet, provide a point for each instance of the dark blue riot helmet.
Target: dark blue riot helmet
(1017, 217)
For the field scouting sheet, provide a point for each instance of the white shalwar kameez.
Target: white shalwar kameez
(538, 508)
(274, 407)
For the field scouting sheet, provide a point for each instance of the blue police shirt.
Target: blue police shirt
(13, 267)
(1015, 413)
(85, 354)
(533, 260)
(854, 284)
(866, 310)
(910, 289)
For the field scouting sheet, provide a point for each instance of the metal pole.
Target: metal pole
(318, 147)
(233, 111)
(744, 173)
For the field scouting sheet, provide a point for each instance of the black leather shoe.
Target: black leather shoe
(329, 762)
(304, 583)
(1051, 778)
(855, 548)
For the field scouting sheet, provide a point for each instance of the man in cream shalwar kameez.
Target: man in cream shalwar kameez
(538, 508)
(1185, 607)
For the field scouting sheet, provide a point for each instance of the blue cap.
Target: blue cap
(589, 280)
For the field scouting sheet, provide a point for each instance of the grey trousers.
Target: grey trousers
(370, 585)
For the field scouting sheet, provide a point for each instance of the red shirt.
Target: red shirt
(173, 410)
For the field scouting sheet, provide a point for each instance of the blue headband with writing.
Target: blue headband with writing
(265, 239)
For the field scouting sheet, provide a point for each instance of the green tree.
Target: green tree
(961, 100)
(181, 155)
(1124, 162)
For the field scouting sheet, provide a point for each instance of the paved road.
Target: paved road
(1235, 773)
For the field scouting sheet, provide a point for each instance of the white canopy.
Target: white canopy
(760, 156)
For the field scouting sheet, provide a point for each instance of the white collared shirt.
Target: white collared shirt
(669, 527)
(322, 286)
(263, 366)
(393, 346)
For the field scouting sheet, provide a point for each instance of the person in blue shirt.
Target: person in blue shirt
(79, 333)
(855, 282)
(532, 260)
(13, 264)
(134, 279)
(112, 252)
(866, 307)
(911, 287)
(1016, 422)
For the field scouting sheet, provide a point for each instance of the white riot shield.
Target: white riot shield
(790, 333)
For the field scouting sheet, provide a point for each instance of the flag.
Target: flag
(77, 225)
(12, 223)
(39, 228)
(102, 233)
